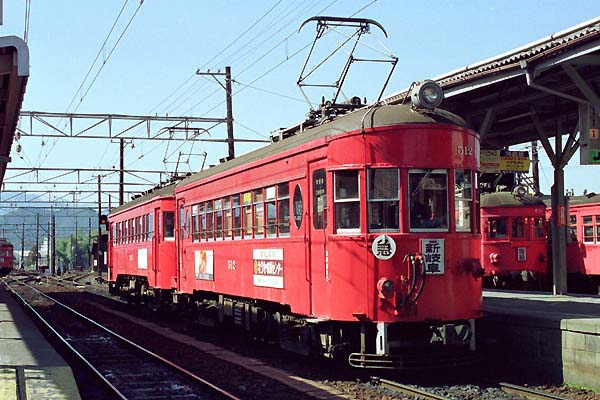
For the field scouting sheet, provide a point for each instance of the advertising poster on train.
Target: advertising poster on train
(268, 267)
(433, 253)
(142, 258)
(203, 264)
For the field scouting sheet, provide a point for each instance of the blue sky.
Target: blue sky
(151, 69)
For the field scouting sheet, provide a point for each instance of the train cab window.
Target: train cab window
(169, 225)
(384, 199)
(114, 234)
(150, 226)
(497, 228)
(463, 194)
(271, 211)
(297, 201)
(572, 229)
(319, 199)
(247, 201)
(283, 209)
(428, 200)
(588, 229)
(218, 219)
(237, 216)
(195, 223)
(347, 201)
(518, 227)
(227, 218)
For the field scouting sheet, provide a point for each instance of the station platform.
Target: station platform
(552, 338)
(29, 367)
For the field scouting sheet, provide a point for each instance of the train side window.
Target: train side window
(428, 200)
(518, 227)
(384, 200)
(227, 218)
(195, 223)
(247, 200)
(237, 216)
(347, 201)
(210, 222)
(169, 225)
(497, 228)
(202, 217)
(588, 229)
(283, 209)
(298, 207)
(259, 214)
(150, 226)
(463, 194)
(188, 231)
(319, 199)
(114, 234)
(271, 211)
(218, 219)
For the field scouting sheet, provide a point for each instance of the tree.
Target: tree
(73, 254)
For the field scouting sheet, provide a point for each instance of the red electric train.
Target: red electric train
(514, 244)
(339, 239)
(143, 259)
(583, 241)
(6, 257)
(516, 251)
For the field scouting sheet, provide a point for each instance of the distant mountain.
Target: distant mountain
(24, 220)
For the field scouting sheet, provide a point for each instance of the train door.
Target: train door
(156, 238)
(317, 225)
(180, 235)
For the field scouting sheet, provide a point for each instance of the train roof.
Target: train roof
(161, 191)
(369, 117)
(509, 199)
(591, 198)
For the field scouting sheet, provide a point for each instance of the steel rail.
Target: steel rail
(125, 340)
(406, 389)
(528, 393)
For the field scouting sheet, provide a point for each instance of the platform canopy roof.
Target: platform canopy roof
(14, 72)
(535, 89)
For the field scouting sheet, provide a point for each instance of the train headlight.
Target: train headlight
(426, 94)
(386, 288)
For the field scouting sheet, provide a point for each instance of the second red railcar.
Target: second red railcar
(514, 238)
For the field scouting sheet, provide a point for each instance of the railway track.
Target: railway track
(406, 389)
(127, 369)
(527, 393)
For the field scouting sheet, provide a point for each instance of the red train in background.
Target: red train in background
(340, 239)
(583, 242)
(514, 245)
(6, 257)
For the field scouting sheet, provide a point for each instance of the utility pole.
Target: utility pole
(53, 235)
(230, 143)
(535, 169)
(90, 244)
(74, 255)
(228, 98)
(37, 242)
(48, 245)
(121, 171)
(23, 246)
(98, 252)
